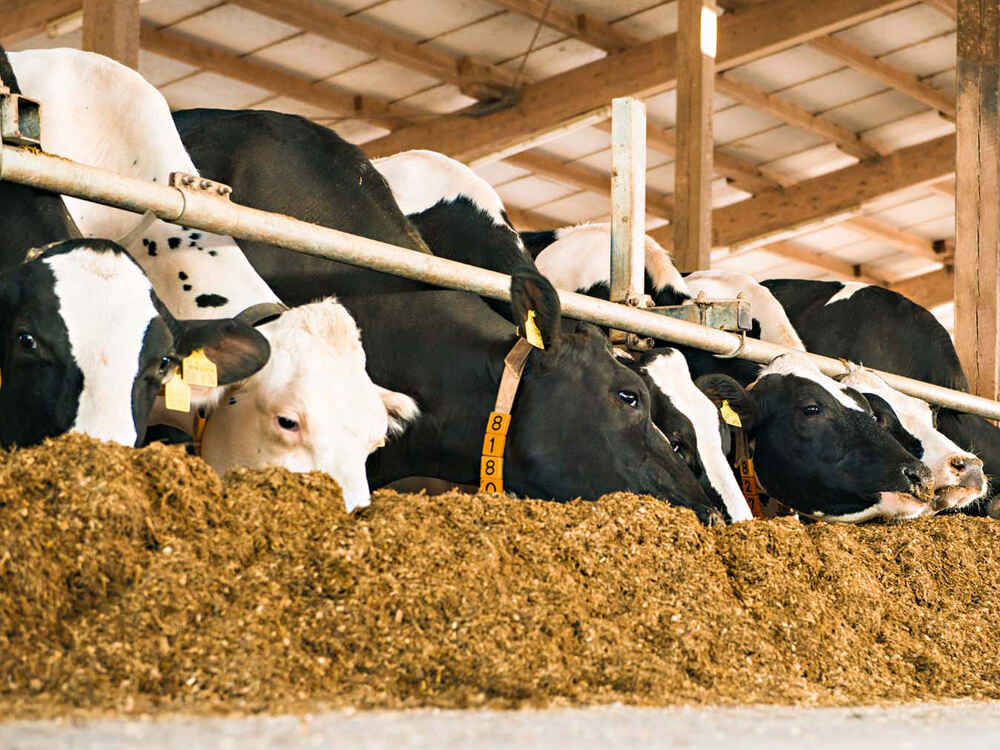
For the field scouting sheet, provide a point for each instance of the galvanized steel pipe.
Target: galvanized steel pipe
(213, 214)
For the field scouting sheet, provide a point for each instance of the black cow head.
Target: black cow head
(574, 392)
(85, 345)
(819, 449)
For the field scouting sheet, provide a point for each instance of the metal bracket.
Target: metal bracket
(20, 119)
(634, 341)
(725, 314)
(192, 183)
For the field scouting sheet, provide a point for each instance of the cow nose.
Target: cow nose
(919, 479)
(968, 469)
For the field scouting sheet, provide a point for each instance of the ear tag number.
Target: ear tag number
(200, 370)
(491, 474)
(729, 416)
(532, 332)
(177, 394)
(494, 442)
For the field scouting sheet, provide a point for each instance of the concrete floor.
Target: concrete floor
(965, 726)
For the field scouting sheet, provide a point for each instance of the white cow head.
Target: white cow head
(312, 407)
(958, 475)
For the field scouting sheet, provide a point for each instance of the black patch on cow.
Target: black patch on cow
(213, 253)
(535, 242)
(186, 287)
(193, 244)
(195, 236)
(152, 247)
(210, 300)
(182, 276)
(886, 417)
(174, 242)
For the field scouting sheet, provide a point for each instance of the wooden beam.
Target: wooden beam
(26, 18)
(472, 75)
(696, 50)
(594, 181)
(583, 26)
(928, 289)
(977, 175)
(794, 115)
(899, 238)
(945, 187)
(845, 191)
(208, 57)
(642, 71)
(111, 28)
(844, 269)
(890, 76)
(528, 220)
(945, 6)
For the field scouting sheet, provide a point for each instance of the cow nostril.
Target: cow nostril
(957, 463)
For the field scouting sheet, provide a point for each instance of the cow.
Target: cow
(884, 330)
(445, 348)
(462, 217)
(86, 345)
(101, 113)
(817, 446)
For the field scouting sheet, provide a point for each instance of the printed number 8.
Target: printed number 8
(496, 424)
(491, 467)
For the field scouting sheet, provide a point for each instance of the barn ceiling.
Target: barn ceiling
(794, 122)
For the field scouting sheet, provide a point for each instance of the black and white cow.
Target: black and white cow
(884, 330)
(445, 348)
(462, 217)
(85, 345)
(817, 446)
(102, 113)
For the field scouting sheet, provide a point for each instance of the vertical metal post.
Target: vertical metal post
(628, 200)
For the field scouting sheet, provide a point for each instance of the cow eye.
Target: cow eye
(27, 341)
(286, 423)
(165, 366)
(812, 410)
(630, 398)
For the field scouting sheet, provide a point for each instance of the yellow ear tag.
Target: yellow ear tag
(531, 331)
(177, 394)
(729, 416)
(200, 370)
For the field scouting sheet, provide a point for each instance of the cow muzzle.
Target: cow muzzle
(966, 483)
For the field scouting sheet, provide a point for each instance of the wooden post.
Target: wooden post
(111, 27)
(696, 48)
(628, 200)
(977, 218)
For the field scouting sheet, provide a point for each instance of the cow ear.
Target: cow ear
(535, 305)
(402, 410)
(236, 349)
(727, 394)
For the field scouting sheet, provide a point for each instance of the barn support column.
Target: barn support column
(977, 200)
(696, 48)
(111, 27)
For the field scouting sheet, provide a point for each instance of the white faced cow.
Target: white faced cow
(101, 113)
(324, 413)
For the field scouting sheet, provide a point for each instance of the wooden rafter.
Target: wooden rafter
(889, 75)
(945, 6)
(845, 191)
(528, 220)
(594, 181)
(928, 289)
(111, 28)
(475, 77)
(643, 70)
(846, 270)
(792, 114)
(209, 57)
(583, 26)
(25, 18)
(900, 239)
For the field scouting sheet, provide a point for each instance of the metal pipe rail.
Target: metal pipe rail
(202, 210)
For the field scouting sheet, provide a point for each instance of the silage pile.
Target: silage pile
(137, 581)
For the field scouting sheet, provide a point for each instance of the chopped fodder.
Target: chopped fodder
(137, 581)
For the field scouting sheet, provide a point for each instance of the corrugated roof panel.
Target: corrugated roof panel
(810, 163)
(787, 68)
(607, 11)
(211, 90)
(649, 24)
(914, 212)
(833, 90)
(390, 80)
(774, 144)
(499, 172)
(44, 41)
(419, 19)
(578, 207)
(439, 99)
(908, 131)
(235, 28)
(312, 56)
(578, 144)
(872, 111)
(554, 59)
(291, 107)
(898, 29)
(741, 122)
(357, 131)
(532, 192)
(925, 59)
(166, 12)
(159, 70)
(496, 39)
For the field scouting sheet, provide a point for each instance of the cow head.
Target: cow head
(581, 424)
(958, 475)
(85, 345)
(819, 449)
(312, 407)
(692, 423)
